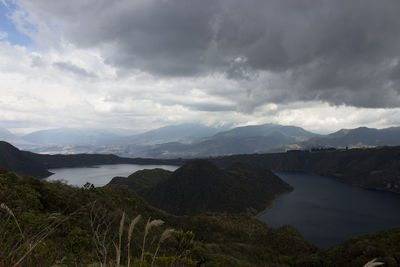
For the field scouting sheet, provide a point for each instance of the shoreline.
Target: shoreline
(271, 203)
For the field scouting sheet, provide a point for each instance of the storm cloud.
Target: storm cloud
(341, 52)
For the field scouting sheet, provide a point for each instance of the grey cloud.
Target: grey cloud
(210, 107)
(333, 51)
(395, 74)
(37, 62)
(70, 67)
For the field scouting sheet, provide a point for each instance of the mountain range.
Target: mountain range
(194, 140)
(183, 133)
(240, 140)
(359, 137)
(6, 135)
(70, 136)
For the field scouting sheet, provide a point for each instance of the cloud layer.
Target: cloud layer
(333, 51)
(217, 59)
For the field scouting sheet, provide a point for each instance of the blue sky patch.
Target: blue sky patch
(14, 36)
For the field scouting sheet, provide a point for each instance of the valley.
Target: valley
(228, 187)
(214, 133)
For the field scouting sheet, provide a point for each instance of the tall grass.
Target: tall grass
(29, 244)
(373, 263)
(130, 230)
(118, 249)
(149, 225)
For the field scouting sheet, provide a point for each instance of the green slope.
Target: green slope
(64, 214)
(199, 186)
(219, 238)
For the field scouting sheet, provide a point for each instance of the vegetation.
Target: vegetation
(80, 226)
(384, 245)
(143, 180)
(199, 186)
(373, 168)
(53, 224)
(48, 224)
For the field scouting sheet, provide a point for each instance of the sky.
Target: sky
(141, 64)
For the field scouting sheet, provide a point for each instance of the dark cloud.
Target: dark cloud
(70, 67)
(395, 74)
(341, 52)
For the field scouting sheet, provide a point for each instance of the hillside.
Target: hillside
(199, 186)
(17, 161)
(373, 168)
(143, 180)
(73, 217)
(68, 219)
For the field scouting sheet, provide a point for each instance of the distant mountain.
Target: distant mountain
(6, 135)
(359, 137)
(196, 140)
(293, 133)
(17, 161)
(185, 133)
(199, 186)
(240, 140)
(188, 140)
(116, 141)
(71, 136)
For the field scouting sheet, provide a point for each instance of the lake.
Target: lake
(327, 212)
(100, 175)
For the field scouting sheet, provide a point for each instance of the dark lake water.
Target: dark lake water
(327, 212)
(100, 175)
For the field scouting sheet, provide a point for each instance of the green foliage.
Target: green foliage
(60, 225)
(384, 245)
(184, 243)
(199, 186)
(89, 186)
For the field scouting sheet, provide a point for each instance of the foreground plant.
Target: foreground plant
(25, 245)
(373, 263)
(130, 230)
